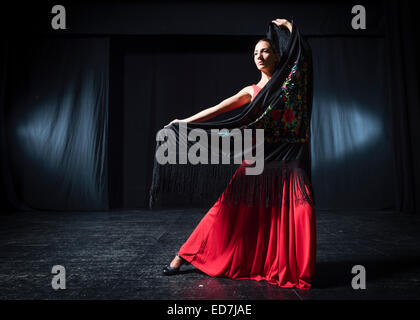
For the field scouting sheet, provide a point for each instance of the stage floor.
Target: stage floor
(120, 254)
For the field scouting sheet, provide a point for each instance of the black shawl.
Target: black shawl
(282, 109)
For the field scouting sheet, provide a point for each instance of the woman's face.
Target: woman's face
(264, 56)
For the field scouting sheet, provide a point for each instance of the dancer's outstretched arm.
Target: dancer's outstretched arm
(241, 98)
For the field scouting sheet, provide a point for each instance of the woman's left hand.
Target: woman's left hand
(283, 22)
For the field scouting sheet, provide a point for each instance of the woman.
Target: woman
(265, 58)
(275, 243)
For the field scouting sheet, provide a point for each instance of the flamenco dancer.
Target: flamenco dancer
(262, 227)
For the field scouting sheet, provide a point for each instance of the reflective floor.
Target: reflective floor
(119, 255)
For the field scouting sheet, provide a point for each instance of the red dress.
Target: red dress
(275, 244)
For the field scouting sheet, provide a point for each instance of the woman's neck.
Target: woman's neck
(264, 79)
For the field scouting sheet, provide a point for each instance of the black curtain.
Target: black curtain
(403, 94)
(55, 123)
(59, 149)
(350, 128)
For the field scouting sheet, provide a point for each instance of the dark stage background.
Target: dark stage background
(80, 107)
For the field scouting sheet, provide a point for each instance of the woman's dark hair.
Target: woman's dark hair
(272, 45)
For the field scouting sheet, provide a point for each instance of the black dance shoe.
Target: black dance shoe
(169, 271)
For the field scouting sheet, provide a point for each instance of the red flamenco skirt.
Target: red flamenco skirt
(275, 243)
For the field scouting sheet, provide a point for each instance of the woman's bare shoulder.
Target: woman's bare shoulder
(247, 90)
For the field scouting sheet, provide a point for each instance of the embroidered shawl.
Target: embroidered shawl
(282, 109)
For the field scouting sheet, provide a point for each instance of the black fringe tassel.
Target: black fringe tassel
(202, 185)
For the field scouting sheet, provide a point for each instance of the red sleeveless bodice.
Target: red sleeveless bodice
(257, 89)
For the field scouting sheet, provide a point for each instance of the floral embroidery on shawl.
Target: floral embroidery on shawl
(288, 119)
